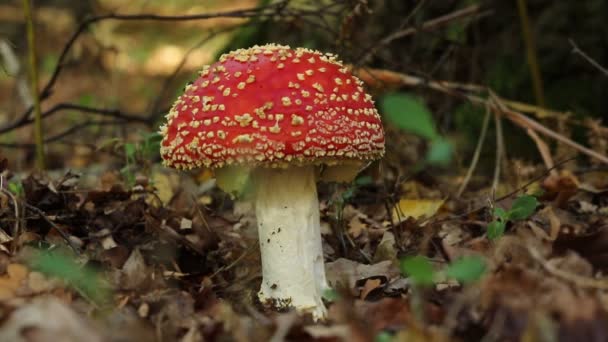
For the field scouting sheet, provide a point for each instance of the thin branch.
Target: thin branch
(167, 82)
(61, 232)
(578, 51)
(470, 11)
(542, 147)
(500, 149)
(113, 113)
(477, 153)
(472, 93)
(72, 130)
(265, 11)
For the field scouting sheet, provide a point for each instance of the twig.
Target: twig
(500, 149)
(60, 230)
(477, 153)
(542, 147)
(71, 130)
(31, 41)
(232, 264)
(504, 197)
(265, 11)
(470, 11)
(167, 82)
(578, 51)
(471, 93)
(524, 121)
(112, 113)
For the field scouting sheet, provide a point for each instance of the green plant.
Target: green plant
(83, 279)
(522, 208)
(466, 270)
(138, 155)
(410, 114)
(16, 188)
(330, 295)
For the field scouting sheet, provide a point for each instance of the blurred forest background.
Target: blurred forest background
(137, 67)
(482, 101)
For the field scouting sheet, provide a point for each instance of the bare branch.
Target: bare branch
(474, 11)
(578, 51)
(113, 113)
(72, 130)
(265, 11)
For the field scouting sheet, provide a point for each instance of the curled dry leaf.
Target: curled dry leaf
(416, 209)
(346, 272)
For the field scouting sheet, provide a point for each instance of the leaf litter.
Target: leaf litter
(174, 259)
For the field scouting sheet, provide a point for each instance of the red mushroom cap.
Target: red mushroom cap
(272, 106)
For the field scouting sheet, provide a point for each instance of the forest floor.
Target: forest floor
(112, 246)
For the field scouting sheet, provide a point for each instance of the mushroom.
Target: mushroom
(288, 117)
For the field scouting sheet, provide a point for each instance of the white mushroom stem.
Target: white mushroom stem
(287, 211)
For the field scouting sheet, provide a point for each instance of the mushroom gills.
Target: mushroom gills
(287, 212)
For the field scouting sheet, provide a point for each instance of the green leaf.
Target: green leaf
(440, 152)
(501, 214)
(151, 145)
(523, 207)
(84, 279)
(87, 100)
(16, 188)
(496, 229)
(384, 336)
(130, 150)
(330, 295)
(466, 269)
(410, 114)
(419, 269)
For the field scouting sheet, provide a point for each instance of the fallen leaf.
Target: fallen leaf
(134, 271)
(356, 227)
(347, 272)
(386, 248)
(12, 280)
(370, 285)
(47, 319)
(416, 209)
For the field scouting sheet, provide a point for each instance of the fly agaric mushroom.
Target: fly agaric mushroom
(289, 116)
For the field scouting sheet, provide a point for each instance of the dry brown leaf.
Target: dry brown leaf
(370, 285)
(386, 248)
(134, 271)
(347, 272)
(12, 280)
(47, 319)
(356, 227)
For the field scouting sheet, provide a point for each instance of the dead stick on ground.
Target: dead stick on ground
(61, 232)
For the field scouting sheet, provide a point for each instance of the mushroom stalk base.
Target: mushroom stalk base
(287, 211)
